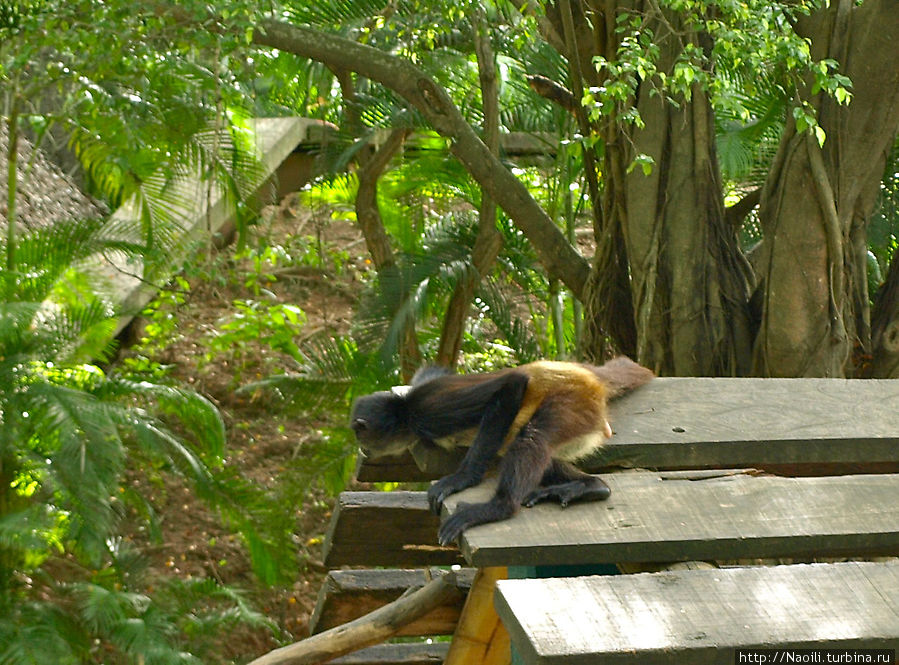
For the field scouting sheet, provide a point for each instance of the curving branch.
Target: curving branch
(367, 214)
(373, 628)
(558, 256)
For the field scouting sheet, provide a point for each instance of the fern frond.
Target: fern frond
(335, 13)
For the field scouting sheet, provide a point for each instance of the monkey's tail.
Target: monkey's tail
(622, 375)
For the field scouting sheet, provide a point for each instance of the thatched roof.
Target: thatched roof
(45, 193)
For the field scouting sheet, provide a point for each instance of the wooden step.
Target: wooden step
(656, 517)
(787, 426)
(394, 529)
(349, 594)
(702, 616)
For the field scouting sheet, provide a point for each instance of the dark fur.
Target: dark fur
(439, 404)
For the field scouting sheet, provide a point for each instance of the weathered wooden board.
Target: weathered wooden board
(393, 529)
(397, 654)
(650, 518)
(346, 595)
(804, 426)
(202, 208)
(701, 616)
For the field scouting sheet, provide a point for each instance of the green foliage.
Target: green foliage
(746, 38)
(110, 614)
(330, 373)
(274, 325)
(67, 427)
(143, 123)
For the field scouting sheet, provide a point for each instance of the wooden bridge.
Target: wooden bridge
(745, 514)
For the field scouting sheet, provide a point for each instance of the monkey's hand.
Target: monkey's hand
(446, 487)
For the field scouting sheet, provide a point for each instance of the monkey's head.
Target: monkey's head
(380, 423)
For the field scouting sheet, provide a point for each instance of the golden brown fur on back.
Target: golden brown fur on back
(574, 388)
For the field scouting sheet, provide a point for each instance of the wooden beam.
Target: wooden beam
(348, 594)
(701, 616)
(393, 529)
(650, 518)
(794, 426)
(416, 653)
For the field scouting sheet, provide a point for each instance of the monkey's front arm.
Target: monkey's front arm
(499, 413)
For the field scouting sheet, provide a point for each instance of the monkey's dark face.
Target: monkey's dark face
(380, 424)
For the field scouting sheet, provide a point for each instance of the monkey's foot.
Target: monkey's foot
(453, 527)
(565, 493)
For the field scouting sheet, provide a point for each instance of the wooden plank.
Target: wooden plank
(393, 529)
(701, 616)
(349, 594)
(803, 426)
(650, 518)
(416, 653)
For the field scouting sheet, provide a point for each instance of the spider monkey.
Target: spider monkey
(538, 417)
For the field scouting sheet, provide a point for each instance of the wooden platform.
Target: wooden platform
(743, 470)
(653, 518)
(701, 616)
(793, 426)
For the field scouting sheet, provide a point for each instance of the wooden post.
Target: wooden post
(480, 637)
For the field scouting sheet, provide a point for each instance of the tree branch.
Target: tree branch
(373, 628)
(367, 214)
(737, 213)
(558, 256)
(554, 92)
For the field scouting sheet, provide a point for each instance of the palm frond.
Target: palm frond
(332, 371)
(41, 632)
(335, 13)
(517, 328)
(86, 459)
(748, 128)
(196, 414)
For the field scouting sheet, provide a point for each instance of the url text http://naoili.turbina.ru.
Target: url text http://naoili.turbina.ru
(815, 656)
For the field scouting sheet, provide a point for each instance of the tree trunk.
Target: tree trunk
(688, 279)
(12, 173)
(817, 202)
(609, 323)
